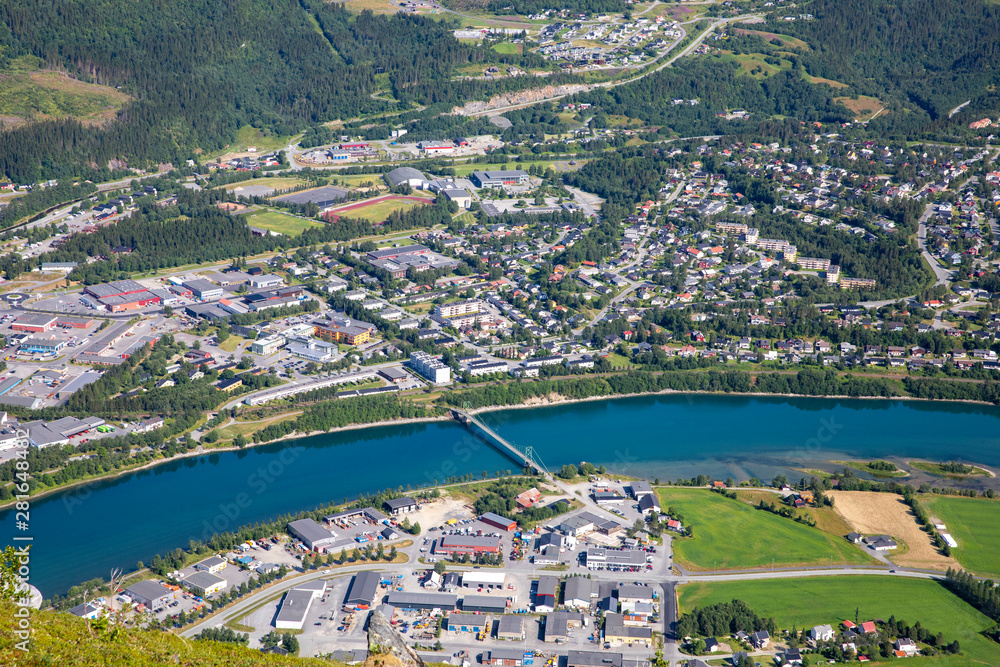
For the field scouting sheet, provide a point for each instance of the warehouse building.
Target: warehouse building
(150, 594)
(603, 659)
(40, 345)
(313, 535)
(558, 624)
(546, 593)
(205, 583)
(467, 623)
(33, 323)
(504, 657)
(203, 289)
(212, 564)
(467, 544)
(42, 433)
(363, 589)
(459, 196)
(402, 505)
(295, 606)
(486, 580)
(484, 604)
(77, 383)
(601, 558)
(511, 627)
(497, 521)
(617, 633)
(422, 601)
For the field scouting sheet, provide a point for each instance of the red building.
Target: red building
(34, 323)
(497, 521)
(467, 544)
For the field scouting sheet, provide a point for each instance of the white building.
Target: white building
(267, 346)
(430, 367)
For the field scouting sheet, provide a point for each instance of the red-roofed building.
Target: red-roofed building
(868, 627)
(528, 498)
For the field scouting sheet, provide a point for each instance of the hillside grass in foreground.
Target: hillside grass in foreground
(810, 601)
(730, 534)
(64, 639)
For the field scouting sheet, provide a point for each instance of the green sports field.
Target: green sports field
(810, 601)
(730, 534)
(380, 210)
(973, 522)
(281, 223)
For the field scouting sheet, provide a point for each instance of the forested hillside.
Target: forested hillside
(921, 58)
(934, 53)
(201, 69)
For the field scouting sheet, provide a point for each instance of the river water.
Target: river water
(82, 533)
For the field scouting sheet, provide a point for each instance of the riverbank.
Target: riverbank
(669, 437)
(550, 400)
(214, 450)
(554, 399)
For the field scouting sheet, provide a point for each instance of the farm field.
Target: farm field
(810, 601)
(826, 518)
(973, 524)
(874, 513)
(282, 223)
(729, 534)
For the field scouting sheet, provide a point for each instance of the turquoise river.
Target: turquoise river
(84, 532)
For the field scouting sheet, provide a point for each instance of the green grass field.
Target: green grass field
(813, 601)
(278, 183)
(729, 534)
(282, 223)
(754, 64)
(507, 48)
(618, 361)
(379, 211)
(973, 524)
(463, 170)
(264, 141)
(936, 469)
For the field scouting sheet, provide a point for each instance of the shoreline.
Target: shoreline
(532, 403)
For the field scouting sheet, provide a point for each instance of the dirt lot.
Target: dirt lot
(871, 513)
(438, 511)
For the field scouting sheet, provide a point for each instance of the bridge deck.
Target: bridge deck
(501, 443)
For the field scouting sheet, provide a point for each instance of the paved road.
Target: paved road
(668, 609)
(612, 84)
(942, 275)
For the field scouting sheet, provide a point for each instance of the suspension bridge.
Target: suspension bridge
(525, 458)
